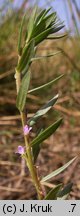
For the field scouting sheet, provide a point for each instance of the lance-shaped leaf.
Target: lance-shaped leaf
(42, 36)
(28, 53)
(46, 56)
(45, 13)
(36, 148)
(21, 98)
(52, 195)
(46, 85)
(63, 194)
(42, 111)
(56, 37)
(50, 19)
(44, 24)
(56, 172)
(31, 25)
(39, 16)
(39, 29)
(46, 133)
(20, 35)
(57, 28)
(37, 21)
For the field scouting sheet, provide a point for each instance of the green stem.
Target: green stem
(30, 163)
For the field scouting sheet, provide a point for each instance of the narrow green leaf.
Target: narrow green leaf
(36, 148)
(43, 36)
(31, 24)
(50, 19)
(56, 37)
(20, 34)
(44, 24)
(46, 12)
(43, 110)
(39, 16)
(46, 133)
(39, 38)
(52, 195)
(63, 194)
(56, 172)
(28, 53)
(36, 151)
(46, 56)
(21, 98)
(56, 29)
(40, 23)
(39, 29)
(46, 85)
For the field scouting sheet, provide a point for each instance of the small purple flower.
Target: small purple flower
(27, 129)
(20, 150)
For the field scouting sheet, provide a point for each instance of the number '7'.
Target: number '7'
(74, 205)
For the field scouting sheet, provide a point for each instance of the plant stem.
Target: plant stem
(30, 163)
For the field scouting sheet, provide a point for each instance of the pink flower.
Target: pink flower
(20, 150)
(27, 129)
